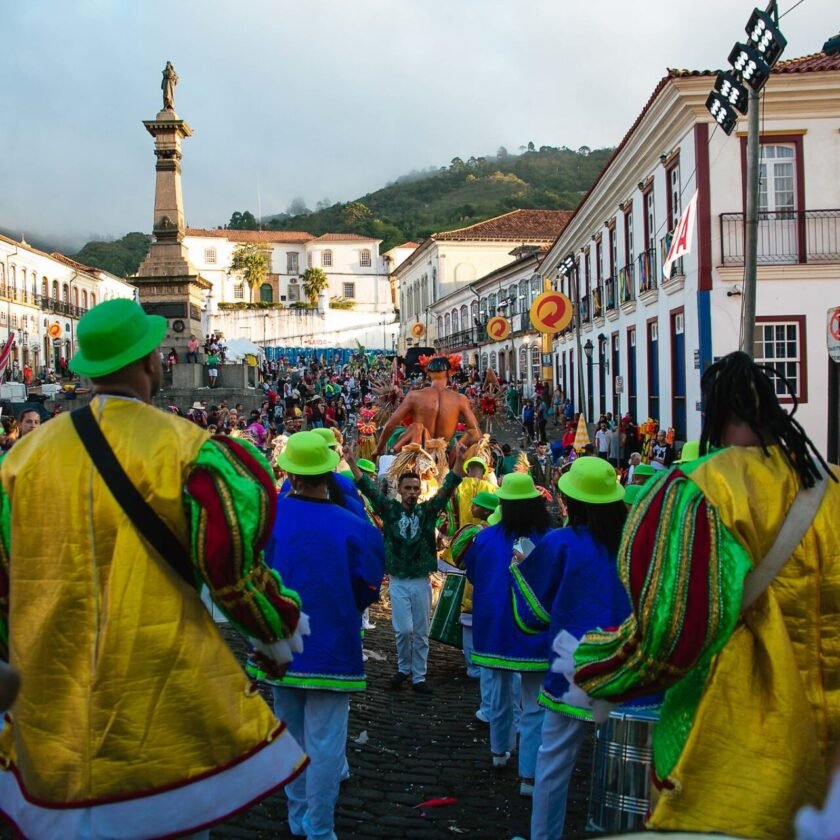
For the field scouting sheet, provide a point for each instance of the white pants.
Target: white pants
(318, 722)
(411, 610)
(477, 672)
(502, 724)
(562, 737)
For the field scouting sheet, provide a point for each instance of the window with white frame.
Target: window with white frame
(674, 196)
(291, 262)
(238, 292)
(447, 324)
(348, 290)
(536, 366)
(294, 292)
(210, 256)
(780, 344)
(364, 258)
(650, 221)
(309, 260)
(326, 259)
(456, 321)
(679, 323)
(776, 190)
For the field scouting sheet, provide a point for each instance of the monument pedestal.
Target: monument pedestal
(169, 284)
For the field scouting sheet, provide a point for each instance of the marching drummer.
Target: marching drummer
(408, 527)
(570, 584)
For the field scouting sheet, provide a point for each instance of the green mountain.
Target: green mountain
(461, 194)
(415, 205)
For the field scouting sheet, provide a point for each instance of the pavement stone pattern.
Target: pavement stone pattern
(418, 748)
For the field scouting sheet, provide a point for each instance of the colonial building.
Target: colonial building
(648, 338)
(39, 291)
(358, 302)
(453, 259)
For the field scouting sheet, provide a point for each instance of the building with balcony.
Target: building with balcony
(650, 336)
(453, 259)
(39, 290)
(358, 277)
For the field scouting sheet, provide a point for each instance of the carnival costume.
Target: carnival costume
(135, 719)
(752, 709)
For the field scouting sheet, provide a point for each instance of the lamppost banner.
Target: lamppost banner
(683, 237)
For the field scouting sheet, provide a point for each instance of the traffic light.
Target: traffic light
(730, 88)
(724, 114)
(765, 36)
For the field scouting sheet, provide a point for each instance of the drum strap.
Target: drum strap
(797, 522)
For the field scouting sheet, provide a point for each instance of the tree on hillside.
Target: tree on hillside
(298, 207)
(121, 257)
(243, 221)
(314, 282)
(530, 145)
(323, 204)
(456, 164)
(501, 153)
(250, 263)
(355, 213)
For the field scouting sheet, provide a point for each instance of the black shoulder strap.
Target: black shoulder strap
(151, 527)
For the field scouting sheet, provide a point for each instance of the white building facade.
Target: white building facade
(651, 337)
(452, 260)
(40, 290)
(358, 301)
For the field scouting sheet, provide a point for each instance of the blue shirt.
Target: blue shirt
(335, 562)
(497, 642)
(352, 500)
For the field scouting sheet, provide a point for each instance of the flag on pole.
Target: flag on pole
(6, 352)
(683, 236)
(581, 435)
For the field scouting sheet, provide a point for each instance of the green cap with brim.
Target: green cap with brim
(114, 334)
(644, 470)
(517, 487)
(486, 500)
(631, 493)
(366, 466)
(689, 452)
(475, 460)
(592, 481)
(496, 517)
(307, 454)
(328, 436)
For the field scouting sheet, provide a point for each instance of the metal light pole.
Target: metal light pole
(751, 227)
(576, 300)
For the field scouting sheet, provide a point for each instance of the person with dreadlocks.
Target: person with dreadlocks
(732, 565)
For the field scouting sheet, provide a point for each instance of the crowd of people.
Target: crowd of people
(704, 586)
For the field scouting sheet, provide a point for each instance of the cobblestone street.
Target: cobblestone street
(418, 748)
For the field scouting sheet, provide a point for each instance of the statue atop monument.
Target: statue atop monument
(170, 79)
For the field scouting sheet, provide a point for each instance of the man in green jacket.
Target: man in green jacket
(408, 527)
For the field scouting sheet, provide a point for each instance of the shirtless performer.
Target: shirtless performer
(435, 411)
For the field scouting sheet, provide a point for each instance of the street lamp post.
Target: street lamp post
(569, 268)
(588, 348)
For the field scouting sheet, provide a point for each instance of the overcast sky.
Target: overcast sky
(323, 98)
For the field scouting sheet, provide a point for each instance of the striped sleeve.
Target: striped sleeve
(684, 573)
(534, 586)
(231, 501)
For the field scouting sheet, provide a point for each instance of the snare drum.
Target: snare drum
(621, 768)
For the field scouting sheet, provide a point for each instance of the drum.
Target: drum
(446, 619)
(621, 766)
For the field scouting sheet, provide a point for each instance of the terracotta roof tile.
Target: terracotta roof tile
(344, 237)
(295, 236)
(72, 263)
(809, 63)
(408, 245)
(516, 226)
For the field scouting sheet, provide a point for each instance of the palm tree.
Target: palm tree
(314, 282)
(251, 264)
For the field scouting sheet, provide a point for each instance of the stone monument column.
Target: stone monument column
(169, 284)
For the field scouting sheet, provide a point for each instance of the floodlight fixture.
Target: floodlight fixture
(765, 36)
(749, 65)
(730, 88)
(722, 112)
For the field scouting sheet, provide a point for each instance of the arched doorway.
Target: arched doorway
(266, 293)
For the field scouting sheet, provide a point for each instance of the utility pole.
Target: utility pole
(576, 299)
(751, 227)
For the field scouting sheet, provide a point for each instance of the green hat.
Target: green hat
(591, 480)
(307, 454)
(366, 466)
(689, 452)
(631, 493)
(518, 486)
(113, 335)
(644, 470)
(486, 500)
(328, 436)
(346, 474)
(475, 460)
(496, 517)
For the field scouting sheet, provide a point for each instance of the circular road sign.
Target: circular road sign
(551, 312)
(498, 328)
